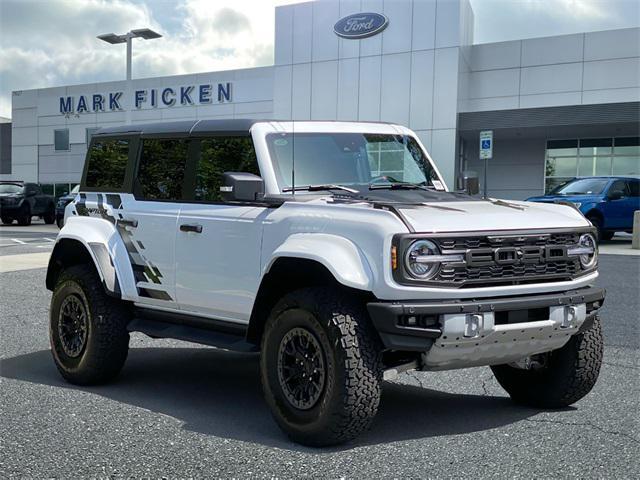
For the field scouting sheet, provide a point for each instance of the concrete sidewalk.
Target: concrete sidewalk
(25, 261)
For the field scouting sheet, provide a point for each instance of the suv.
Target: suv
(335, 250)
(20, 201)
(62, 204)
(607, 202)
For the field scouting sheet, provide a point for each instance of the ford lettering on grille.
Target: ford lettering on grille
(481, 257)
(508, 259)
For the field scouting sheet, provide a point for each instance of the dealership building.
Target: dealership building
(558, 107)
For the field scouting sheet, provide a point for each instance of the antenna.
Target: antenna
(293, 157)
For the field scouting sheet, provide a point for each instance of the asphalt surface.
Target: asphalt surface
(179, 410)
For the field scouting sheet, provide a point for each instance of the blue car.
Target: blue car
(608, 202)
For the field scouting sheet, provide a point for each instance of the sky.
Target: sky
(46, 43)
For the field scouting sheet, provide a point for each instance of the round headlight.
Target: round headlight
(417, 262)
(588, 260)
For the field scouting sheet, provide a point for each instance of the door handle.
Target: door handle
(128, 222)
(191, 228)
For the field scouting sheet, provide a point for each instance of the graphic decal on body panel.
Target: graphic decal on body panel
(143, 269)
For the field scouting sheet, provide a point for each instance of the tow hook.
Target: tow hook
(570, 317)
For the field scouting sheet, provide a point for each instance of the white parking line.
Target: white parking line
(34, 242)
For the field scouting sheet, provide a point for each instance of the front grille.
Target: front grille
(508, 259)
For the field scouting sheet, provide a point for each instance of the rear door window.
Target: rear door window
(107, 164)
(161, 169)
(219, 155)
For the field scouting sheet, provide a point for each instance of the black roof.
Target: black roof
(183, 127)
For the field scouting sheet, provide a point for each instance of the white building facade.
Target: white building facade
(558, 106)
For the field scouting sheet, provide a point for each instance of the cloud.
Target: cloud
(52, 43)
(46, 43)
(500, 20)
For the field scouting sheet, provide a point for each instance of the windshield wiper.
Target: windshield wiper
(317, 188)
(398, 186)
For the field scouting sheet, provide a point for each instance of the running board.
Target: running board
(214, 333)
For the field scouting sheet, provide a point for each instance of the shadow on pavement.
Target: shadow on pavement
(219, 393)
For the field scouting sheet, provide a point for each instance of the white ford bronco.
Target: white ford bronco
(335, 250)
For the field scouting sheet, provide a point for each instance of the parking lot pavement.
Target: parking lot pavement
(180, 410)
(37, 237)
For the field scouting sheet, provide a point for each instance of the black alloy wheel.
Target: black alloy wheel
(301, 368)
(73, 326)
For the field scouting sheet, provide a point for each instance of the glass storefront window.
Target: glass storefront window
(628, 150)
(603, 166)
(566, 159)
(561, 166)
(626, 166)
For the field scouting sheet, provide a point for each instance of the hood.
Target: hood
(488, 215)
(565, 198)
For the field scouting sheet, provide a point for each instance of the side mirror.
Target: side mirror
(241, 187)
(470, 182)
(615, 195)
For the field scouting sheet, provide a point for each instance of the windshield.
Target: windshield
(349, 159)
(10, 188)
(583, 186)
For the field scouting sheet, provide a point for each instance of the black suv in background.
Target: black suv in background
(62, 204)
(20, 201)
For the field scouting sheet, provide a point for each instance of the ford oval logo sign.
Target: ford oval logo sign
(360, 25)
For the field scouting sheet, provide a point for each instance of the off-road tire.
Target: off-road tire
(601, 234)
(24, 219)
(7, 220)
(353, 360)
(606, 235)
(50, 216)
(569, 374)
(107, 341)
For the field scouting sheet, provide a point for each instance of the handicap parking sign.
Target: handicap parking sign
(486, 144)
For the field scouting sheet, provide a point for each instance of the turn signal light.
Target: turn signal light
(394, 257)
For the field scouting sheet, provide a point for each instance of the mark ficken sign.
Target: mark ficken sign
(203, 94)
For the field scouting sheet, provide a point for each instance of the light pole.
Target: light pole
(127, 38)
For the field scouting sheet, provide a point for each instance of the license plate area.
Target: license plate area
(521, 316)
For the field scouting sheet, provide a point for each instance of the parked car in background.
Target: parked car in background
(21, 201)
(62, 203)
(607, 202)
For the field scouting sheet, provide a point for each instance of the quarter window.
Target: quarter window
(219, 155)
(161, 170)
(107, 164)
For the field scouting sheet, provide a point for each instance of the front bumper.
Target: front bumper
(10, 208)
(464, 333)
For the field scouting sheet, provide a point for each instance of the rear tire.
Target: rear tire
(344, 363)
(568, 374)
(7, 220)
(88, 329)
(607, 235)
(50, 217)
(24, 219)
